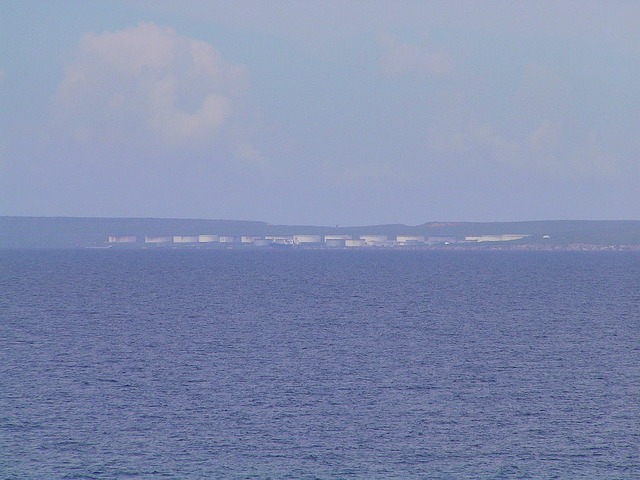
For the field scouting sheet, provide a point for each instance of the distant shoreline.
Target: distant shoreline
(90, 232)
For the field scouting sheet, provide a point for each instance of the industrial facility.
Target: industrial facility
(303, 240)
(158, 233)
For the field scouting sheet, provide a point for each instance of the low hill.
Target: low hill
(72, 232)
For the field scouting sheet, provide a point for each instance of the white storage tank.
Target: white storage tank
(355, 243)
(445, 240)
(505, 237)
(208, 238)
(185, 239)
(262, 242)
(335, 242)
(280, 239)
(404, 239)
(157, 239)
(122, 239)
(306, 239)
(337, 237)
(374, 239)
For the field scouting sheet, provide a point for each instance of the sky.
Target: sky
(324, 113)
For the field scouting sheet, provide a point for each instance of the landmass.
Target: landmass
(92, 232)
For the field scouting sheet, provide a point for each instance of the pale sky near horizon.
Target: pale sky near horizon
(334, 112)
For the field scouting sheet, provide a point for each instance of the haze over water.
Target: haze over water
(319, 364)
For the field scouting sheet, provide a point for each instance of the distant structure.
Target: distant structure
(307, 239)
(280, 239)
(123, 239)
(186, 239)
(410, 239)
(154, 233)
(336, 241)
(208, 238)
(337, 237)
(158, 239)
(313, 240)
(374, 240)
(355, 243)
(509, 237)
(441, 240)
(261, 242)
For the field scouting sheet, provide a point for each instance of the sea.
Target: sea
(319, 364)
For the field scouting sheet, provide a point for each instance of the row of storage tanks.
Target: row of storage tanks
(310, 240)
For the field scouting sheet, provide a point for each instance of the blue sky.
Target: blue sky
(335, 112)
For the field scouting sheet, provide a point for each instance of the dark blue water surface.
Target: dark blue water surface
(319, 364)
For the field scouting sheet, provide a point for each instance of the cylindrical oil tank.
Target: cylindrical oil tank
(355, 243)
(122, 239)
(280, 239)
(337, 237)
(335, 242)
(374, 238)
(185, 239)
(157, 239)
(410, 239)
(306, 239)
(208, 238)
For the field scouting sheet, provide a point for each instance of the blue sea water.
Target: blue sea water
(319, 364)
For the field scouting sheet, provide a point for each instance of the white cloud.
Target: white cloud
(400, 58)
(541, 152)
(250, 155)
(372, 176)
(612, 21)
(473, 142)
(500, 147)
(147, 83)
(545, 137)
(544, 80)
(593, 159)
(445, 142)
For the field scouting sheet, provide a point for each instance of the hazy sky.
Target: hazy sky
(334, 112)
